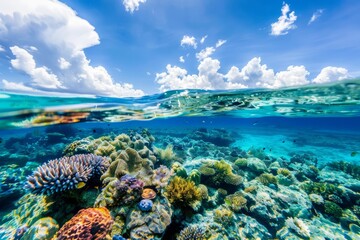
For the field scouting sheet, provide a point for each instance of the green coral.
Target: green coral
(349, 168)
(267, 179)
(195, 176)
(236, 201)
(182, 193)
(323, 189)
(241, 162)
(333, 209)
(179, 170)
(284, 171)
(219, 173)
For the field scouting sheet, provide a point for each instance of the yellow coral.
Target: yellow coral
(182, 192)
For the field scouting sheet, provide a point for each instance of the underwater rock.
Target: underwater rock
(42, 229)
(250, 228)
(147, 225)
(256, 165)
(90, 223)
(66, 173)
(219, 137)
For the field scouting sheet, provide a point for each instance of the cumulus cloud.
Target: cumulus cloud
(132, 5)
(181, 59)
(253, 75)
(60, 37)
(285, 22)
(331, 74)
(205, 53)
(315, 16)
(2, 49)
(41, 77)
(188, 41)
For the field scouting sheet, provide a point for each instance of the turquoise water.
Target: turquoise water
(247, 164)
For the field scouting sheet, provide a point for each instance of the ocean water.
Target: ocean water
(189, 164)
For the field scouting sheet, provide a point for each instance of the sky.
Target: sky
(131, 48)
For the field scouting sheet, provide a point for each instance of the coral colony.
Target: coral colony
(128, 187)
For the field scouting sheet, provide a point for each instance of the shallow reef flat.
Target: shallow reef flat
(199, 183)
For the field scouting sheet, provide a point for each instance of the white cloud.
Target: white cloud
(63, 64)
(205, 53)
(132, 5)
(202, 40)
(58, 33)
(189, 41)
(148, 73)
(315, 16)
(12, 86)
(285, 22)
(331, 74)
(293, 76)
(2, 49)
(252, 75)
(41, 77)
(181, 59)
(220, 43)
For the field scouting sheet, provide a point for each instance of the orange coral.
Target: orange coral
(87, 224)
(148, 193)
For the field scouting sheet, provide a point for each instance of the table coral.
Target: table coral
(90, 223)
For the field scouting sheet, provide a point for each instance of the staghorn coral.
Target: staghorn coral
(90, 223)
(66, 173)
(123, 191)
(192, 232)
(182, 192)
(236, 201)
(219, 173)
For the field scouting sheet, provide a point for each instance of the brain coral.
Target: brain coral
(66, 173)
(87, 224)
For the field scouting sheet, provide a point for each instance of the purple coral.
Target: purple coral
(161, 176)
(128, 189)
(66, 173)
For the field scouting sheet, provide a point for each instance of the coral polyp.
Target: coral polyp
(66, 173)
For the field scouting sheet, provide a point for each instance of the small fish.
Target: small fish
(353, 154)
(264, 149)
(283, 141)
(255, 123)
(94, 130)
(80, 185)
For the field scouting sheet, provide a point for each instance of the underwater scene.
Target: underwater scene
(189, 164)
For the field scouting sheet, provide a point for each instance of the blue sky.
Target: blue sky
(133, 47)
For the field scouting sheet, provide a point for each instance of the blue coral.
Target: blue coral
(118, 237)
(66, 173)
(145, 205)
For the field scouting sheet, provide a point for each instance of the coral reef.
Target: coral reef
(219, 173)
(66, 173)
(42, 229)
(182, 193)
(236, 201)
(192, 232)
(125, 190)
(267, 179)
(145, 205)
(90, 223)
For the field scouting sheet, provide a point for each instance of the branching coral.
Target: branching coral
(66, 173)
(182, 192)
(91, 223)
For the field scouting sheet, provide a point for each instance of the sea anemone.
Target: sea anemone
(66, 173)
